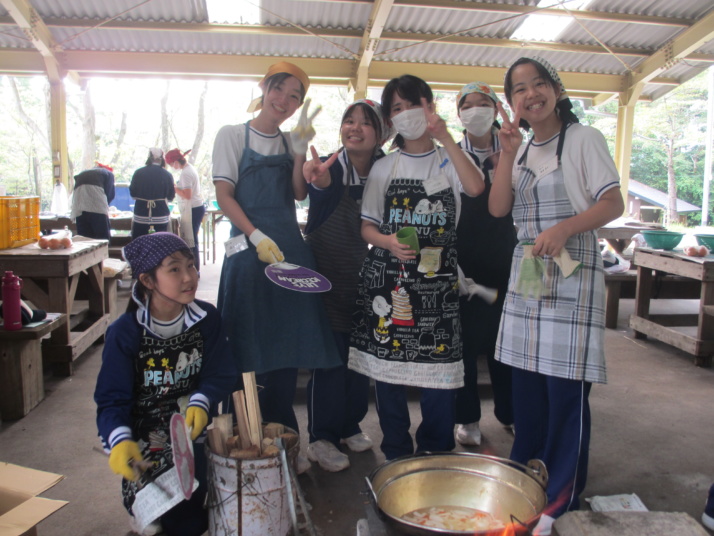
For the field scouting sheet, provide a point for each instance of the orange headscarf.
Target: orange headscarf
(280, 67)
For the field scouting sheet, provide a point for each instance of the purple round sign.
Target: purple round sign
(294, 277)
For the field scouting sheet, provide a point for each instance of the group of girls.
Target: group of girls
(395, 314)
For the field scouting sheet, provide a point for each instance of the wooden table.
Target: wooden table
(50, 280)
(620, 237)
(696, 331)
(22, 384)
(213, 217)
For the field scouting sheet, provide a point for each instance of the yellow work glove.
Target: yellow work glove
(121, 456)
(196, 420)
(303, 132)
(566, 263)
(268, 251)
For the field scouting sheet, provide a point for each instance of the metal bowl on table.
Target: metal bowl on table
(508, 491)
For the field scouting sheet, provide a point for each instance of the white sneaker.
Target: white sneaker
(544, 526)
(358, 442)
(152, 529)
(302, 464)
(327, 456)
(468, 434)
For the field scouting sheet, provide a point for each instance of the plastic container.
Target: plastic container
(11, 285)
(19, 221)
(705, 240)
(662, 239)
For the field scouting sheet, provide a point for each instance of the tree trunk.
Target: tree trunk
(165, 119)
(200, 125)
(120, 140)
(26, 119)
(672, 216)
(89, 144)
(36, 173)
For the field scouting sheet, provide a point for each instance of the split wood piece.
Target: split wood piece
(290, 440)
(250, 453)
(233, 442)
(241, 419)
(224, 423)
(216, 441)
(255, 421)
(273, 430)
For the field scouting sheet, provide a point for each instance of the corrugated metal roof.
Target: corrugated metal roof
(654, 196)
(410, 26)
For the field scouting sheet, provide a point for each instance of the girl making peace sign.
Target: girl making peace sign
(407, 329)
(562, 186)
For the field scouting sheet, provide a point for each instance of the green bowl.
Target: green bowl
(705, 240)
(215, 205)
(662, 239)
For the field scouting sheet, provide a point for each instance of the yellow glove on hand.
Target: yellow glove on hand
(303, 132)
(122, 455)
(196, 420)
(268, 251)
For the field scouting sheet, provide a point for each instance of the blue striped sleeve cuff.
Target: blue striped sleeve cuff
(122, 433)
(199, 400)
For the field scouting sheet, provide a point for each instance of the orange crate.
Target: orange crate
(19, 221)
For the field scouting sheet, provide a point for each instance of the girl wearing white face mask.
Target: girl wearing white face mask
(485, 246)
(407, 330)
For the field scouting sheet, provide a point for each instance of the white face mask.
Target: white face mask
(411, 124)
(477, 120)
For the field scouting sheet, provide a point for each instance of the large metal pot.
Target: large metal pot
(511, 492)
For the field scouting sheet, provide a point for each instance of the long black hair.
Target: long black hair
(563, 108)
(409, 87)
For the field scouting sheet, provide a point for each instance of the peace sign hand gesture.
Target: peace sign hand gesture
(510, 134)
(317, 172)
(435, 125)
(304, 132)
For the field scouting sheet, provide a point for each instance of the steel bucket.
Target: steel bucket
(509, 491)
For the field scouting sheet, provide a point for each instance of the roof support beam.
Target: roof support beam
(685, 43)
(37, 32)
(370, 39)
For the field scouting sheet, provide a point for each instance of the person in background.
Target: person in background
(93, 191)
(258, 175)
(561, 186)
(708, 514)
(406, 329)
(485, 247)
(188, 189)
(167, 354)
(338, 398)
(152, 187)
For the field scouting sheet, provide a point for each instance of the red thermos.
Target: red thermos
(11, 285)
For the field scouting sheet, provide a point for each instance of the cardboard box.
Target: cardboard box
(20, 508)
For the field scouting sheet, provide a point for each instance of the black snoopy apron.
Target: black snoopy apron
(166, 371)
(407, 329)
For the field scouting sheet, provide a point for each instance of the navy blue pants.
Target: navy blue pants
(93, 225)
(552, 417)
(276, 394)
(436, 431)
(197, 214)
(337, 399)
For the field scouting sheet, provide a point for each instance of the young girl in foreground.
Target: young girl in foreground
(562, 186)
(167, 354)
(338, 398)
(407, 330)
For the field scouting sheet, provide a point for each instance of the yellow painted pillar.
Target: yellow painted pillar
(58, 131)
(623, 146)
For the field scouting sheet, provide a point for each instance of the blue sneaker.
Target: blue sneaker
(708, 514)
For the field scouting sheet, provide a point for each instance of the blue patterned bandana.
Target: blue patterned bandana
(149, 251)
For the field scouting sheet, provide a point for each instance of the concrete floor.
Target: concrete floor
(653, 435)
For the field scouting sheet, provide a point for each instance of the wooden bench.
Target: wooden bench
(22, 384)
(110, 292)
(664, 286)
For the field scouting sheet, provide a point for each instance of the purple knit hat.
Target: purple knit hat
(148, 251)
